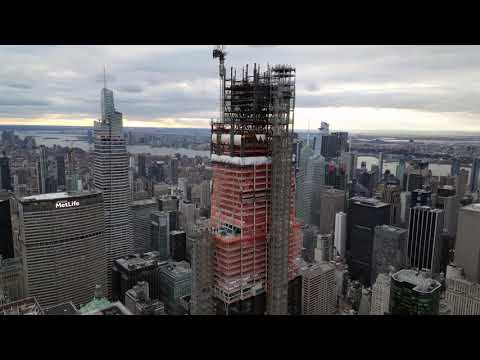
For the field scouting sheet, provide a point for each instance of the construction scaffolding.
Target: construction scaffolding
(252, 204)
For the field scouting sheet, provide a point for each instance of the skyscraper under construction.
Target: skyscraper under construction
(255, 235)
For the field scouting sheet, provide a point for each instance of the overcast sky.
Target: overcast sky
(351, 87)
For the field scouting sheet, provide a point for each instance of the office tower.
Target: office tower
(42, 170)
(389, 249)
(205, 194)
(391, 195)
(364, 215)
(420, 197)
(51, 185)
(173, 170)
(5, 177)
(27, 306)
(175, 282)
(11, 280)
(62, 245)
(462, 296)
(450, 204)
(319, 293)
(311, 177)
(6, 229)
(138, 301)
(178, 244)
(141, 220)
(475, 173)
(310, 233)
(414, 292)
(188, 215)
(253, 187)
(295, 296)
(467, 246)
(425, 248)
(400, 173)
(129, 270)
(160, 230)
(455, 169)
(142, 165)
(340, 238)
(168, 203)
(183, 187)
(332, 201)
(334, 144)
(110, 175)
(380, 166)
(202, 256)
(461, 181)
(324, 250)
(71, 174)
(365, 302)
(381, 295)
(61, 171)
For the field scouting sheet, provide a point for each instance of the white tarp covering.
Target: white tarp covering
(242, 161)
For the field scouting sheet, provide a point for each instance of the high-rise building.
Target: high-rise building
(110, 175)
(129, 270)
(160, 230)
(61, 181)
(334, 144)
(62, 245)
(142, 165)
(414, 293)
(253, 187)
(6, 230)
(138, 301)
(175, 282)
(324, 250)
(389, 249)
(462, 296)
(178, 245)
(319, 292)
(451, 206)
(42, 170)
(467, 246)
(202, 302)
(461, 181)
(310, 233)
(455, 169)
(341, 232)
(381, 295)
(420, 197)
(11, 280)
(475, 175)
(391, 195)
(5, 177)
(332, 201)
(141, 219)
(400, 173)
(168, 203)
(183, 187)
(364, 215)
(425, 249)
(173, 170)
(205, 194)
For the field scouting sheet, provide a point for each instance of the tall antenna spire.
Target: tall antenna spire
(105, 76)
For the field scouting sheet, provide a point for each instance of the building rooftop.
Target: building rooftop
(421, 280)
(62, 309)
(143, 202)
(391, 228)
(117, 308)
(472, 207)
(139, 261)
(56, 196)
(372, 202)
(176, 232)
(27, 306)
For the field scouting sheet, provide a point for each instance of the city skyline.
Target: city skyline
(352, 87)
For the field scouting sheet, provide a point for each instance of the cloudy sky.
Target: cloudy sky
(351, 87)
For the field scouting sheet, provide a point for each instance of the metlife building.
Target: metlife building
(63, 247)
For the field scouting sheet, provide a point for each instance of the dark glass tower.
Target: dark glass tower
(5, 178)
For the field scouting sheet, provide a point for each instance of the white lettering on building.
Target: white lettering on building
(65, 204)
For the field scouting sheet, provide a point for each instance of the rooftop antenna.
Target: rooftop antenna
(105, 76)
(219, 52)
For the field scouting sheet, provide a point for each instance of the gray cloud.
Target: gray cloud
(153, 82)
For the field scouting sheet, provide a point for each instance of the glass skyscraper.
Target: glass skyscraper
(110, 175)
